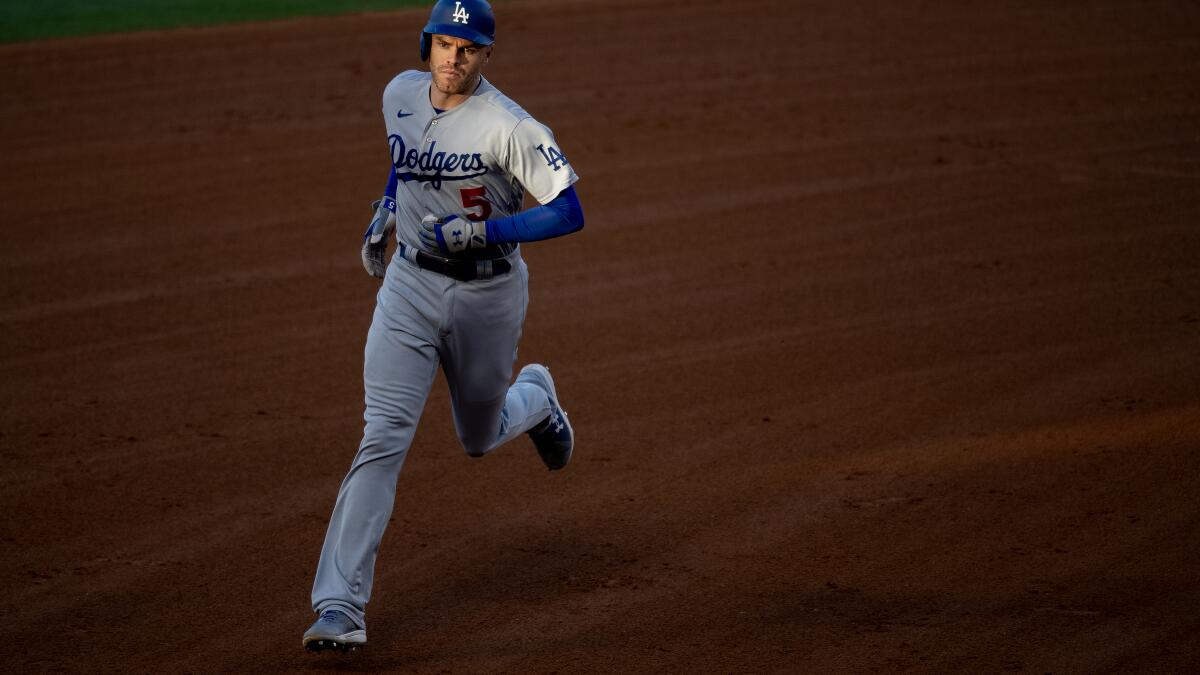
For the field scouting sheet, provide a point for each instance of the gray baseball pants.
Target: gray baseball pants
(423, 319)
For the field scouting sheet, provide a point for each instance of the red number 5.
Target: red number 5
(473, 197)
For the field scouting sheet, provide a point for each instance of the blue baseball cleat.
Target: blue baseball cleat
(553, 438)
(334, 630)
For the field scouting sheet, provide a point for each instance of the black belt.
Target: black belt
(462, 270)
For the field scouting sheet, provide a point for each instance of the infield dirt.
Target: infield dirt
(882, 345)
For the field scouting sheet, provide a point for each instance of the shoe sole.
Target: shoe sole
(348, 642)
(543, 373)
(318, 646)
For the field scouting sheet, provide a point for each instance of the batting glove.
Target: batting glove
(452, 234)
(375, 240)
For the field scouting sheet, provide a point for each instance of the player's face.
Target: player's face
(455, 64)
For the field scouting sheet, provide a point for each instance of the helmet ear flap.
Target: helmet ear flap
(425, 46)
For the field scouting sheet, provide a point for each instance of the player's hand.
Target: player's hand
(375, 240)
(452, 234)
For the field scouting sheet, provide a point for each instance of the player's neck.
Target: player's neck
(444, 101)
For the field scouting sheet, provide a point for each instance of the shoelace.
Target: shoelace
(330, 615)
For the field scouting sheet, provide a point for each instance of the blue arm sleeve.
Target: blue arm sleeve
(562, 215)
(390, 190)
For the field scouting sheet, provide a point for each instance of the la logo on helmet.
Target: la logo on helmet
(460, 13)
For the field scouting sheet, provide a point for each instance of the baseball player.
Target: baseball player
(453, 295)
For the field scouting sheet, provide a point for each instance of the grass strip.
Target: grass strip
(24, 20)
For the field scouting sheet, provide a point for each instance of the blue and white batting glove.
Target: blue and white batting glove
(375, 239)
(452, 234)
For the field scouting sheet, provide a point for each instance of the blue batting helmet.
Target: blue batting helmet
(467, 19)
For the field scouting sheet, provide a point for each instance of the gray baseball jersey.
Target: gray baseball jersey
(475, 160)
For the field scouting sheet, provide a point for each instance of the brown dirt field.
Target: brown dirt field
(882, 344)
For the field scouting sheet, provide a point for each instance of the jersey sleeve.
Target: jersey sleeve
(536, 161)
